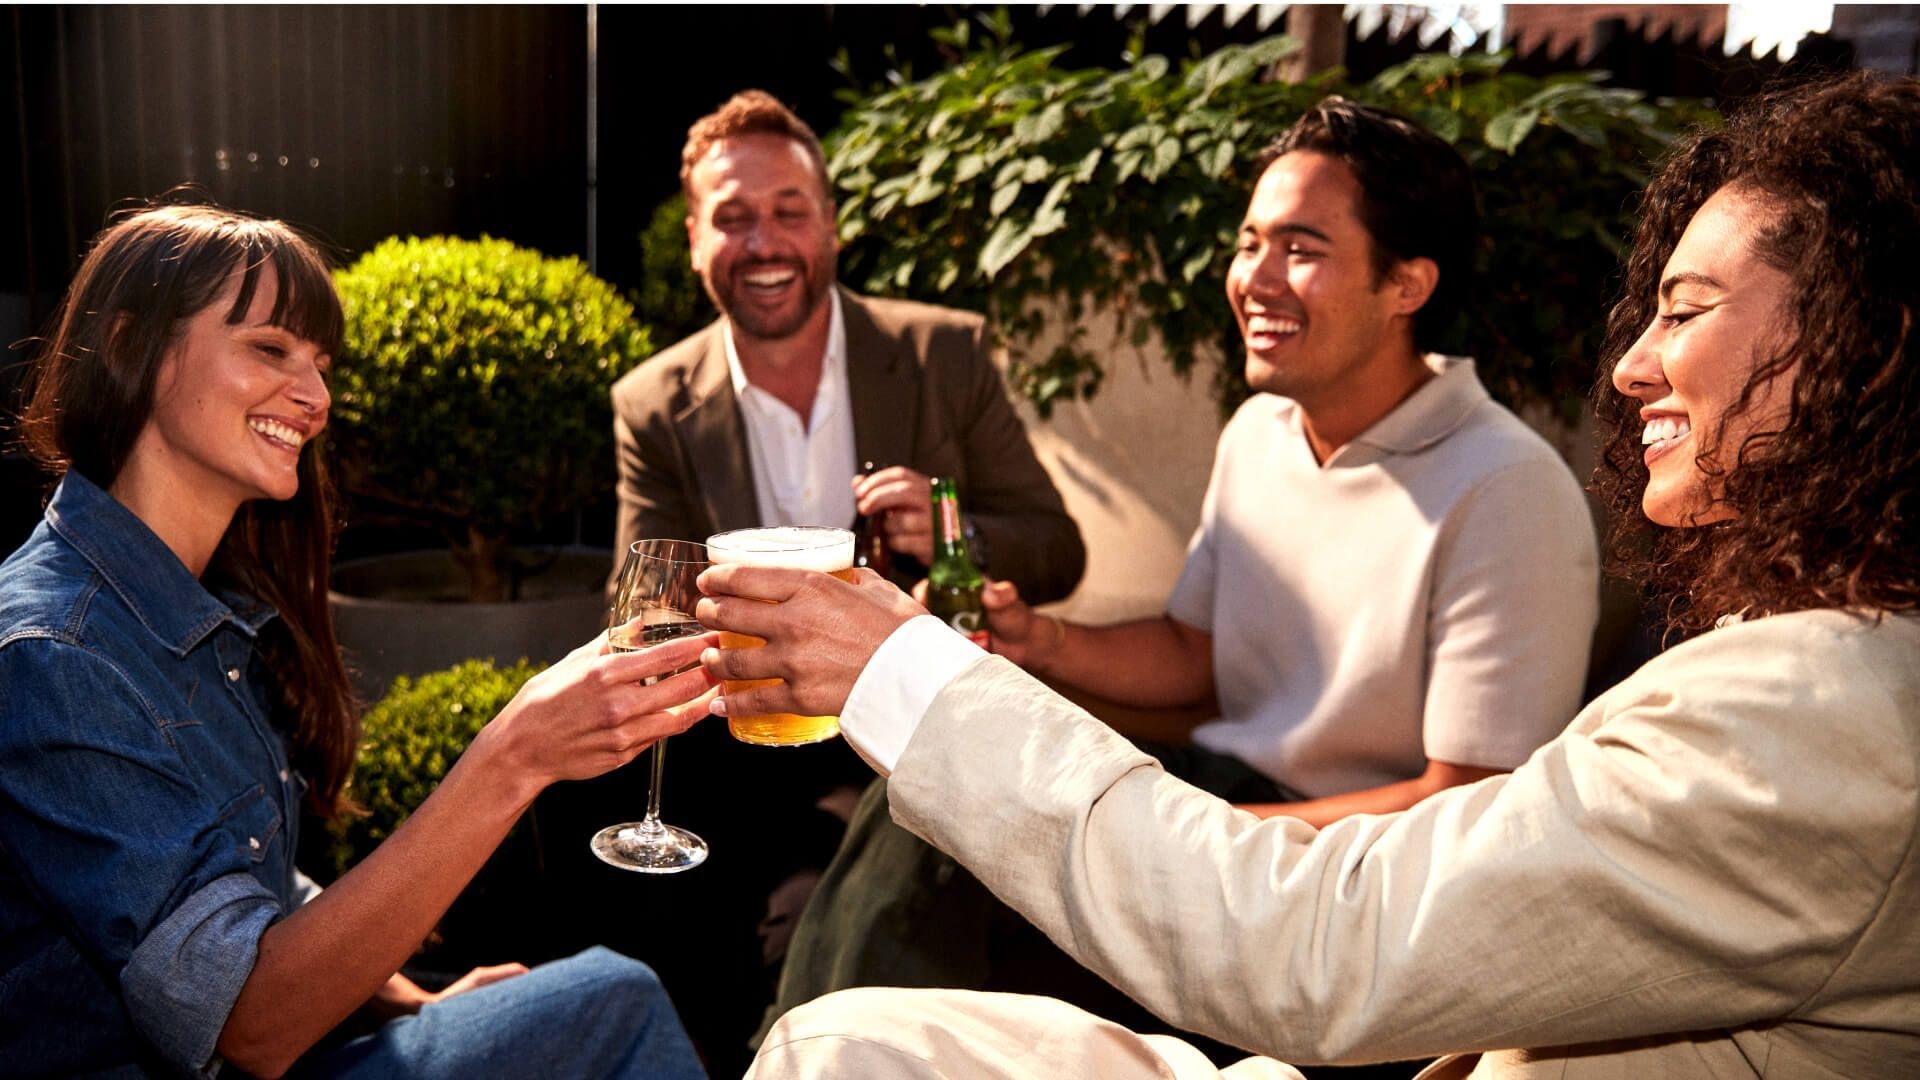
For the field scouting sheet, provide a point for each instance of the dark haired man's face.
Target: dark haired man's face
(762, 235)
(1314, 315)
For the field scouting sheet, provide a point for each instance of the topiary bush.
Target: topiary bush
(1005, 178)
(670, 297)
(470, 392)
(409, 740)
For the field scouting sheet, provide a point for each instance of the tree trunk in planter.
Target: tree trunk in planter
(484, 557)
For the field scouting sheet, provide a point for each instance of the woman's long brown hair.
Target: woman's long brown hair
(92, 393)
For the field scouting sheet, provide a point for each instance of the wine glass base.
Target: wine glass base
(649, 848)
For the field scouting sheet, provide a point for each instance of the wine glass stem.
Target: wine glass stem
(653, 787)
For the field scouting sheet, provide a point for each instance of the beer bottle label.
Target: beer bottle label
(971, 625)
(949, 519)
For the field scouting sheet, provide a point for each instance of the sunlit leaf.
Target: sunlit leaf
(1505, 131)
(1008, 239)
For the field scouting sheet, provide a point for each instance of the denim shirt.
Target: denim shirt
(147, 812)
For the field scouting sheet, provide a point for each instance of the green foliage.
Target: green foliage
(1004, 179)
(472, 385)
(670, 297)
(409, 740)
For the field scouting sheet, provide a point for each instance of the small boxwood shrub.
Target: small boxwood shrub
(470, 392)
(670, 297)
(409, 740)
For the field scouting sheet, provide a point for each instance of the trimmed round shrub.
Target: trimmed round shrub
(410, 739)
(470, 392)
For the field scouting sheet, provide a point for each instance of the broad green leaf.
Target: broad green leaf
(1442, 122)
(1581, 129)
(1151, 68)
(1085, 170)
(1196, 264)
(968, 167)
(931, 161)
(1003, 197)
(1217, 159)
(1505, 131)
(1165, 154)
(925, 189)
(1140, 135)
(1048, 125)
(1009, 238)
(1055, 194)
(1556, 94)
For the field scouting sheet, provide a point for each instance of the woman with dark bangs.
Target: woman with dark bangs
(1713, 872)
(170, 690)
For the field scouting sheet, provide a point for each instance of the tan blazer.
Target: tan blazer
(925, 395)
(1714, 872)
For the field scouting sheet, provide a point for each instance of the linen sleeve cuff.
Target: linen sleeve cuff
(181, 982)
(893, 693)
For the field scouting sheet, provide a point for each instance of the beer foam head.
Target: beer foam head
(800, 547)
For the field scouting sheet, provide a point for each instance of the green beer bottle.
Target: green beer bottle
(953, 582)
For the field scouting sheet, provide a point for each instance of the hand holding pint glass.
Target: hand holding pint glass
(798, 547)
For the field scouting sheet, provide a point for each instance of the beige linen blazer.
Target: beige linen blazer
(1711, 873)
(925, 395)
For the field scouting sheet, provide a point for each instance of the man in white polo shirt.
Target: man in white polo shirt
(1391, 592)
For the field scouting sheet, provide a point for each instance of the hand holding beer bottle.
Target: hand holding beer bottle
(895, 499)
(954, 583)
(870, 534)
(1014, 629)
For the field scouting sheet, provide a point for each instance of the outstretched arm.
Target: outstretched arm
(1153, 663)
(1385, 799)
(1642, 873)
(584, 716)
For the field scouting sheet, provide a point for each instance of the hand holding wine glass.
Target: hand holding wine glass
(654, 605)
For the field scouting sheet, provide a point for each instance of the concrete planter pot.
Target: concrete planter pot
(407, 614)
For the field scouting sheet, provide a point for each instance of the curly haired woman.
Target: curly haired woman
(1713, 872)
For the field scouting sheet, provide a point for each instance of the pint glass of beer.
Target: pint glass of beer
(801, 547)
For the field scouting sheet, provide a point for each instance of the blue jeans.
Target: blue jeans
(595, 1014)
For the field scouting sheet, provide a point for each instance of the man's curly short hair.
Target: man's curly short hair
(750, 112)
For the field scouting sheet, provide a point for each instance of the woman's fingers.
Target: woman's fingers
(773, 697)
(656, 660)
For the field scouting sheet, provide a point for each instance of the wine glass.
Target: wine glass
(654, 605)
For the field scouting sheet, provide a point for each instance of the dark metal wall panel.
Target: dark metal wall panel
(356, 122)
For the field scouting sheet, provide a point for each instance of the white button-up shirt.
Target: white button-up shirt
(802, 471)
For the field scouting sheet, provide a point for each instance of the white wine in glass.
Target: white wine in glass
(652, 606)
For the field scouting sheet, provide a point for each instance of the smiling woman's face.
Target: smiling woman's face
(233, 405)
(1722, 314)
